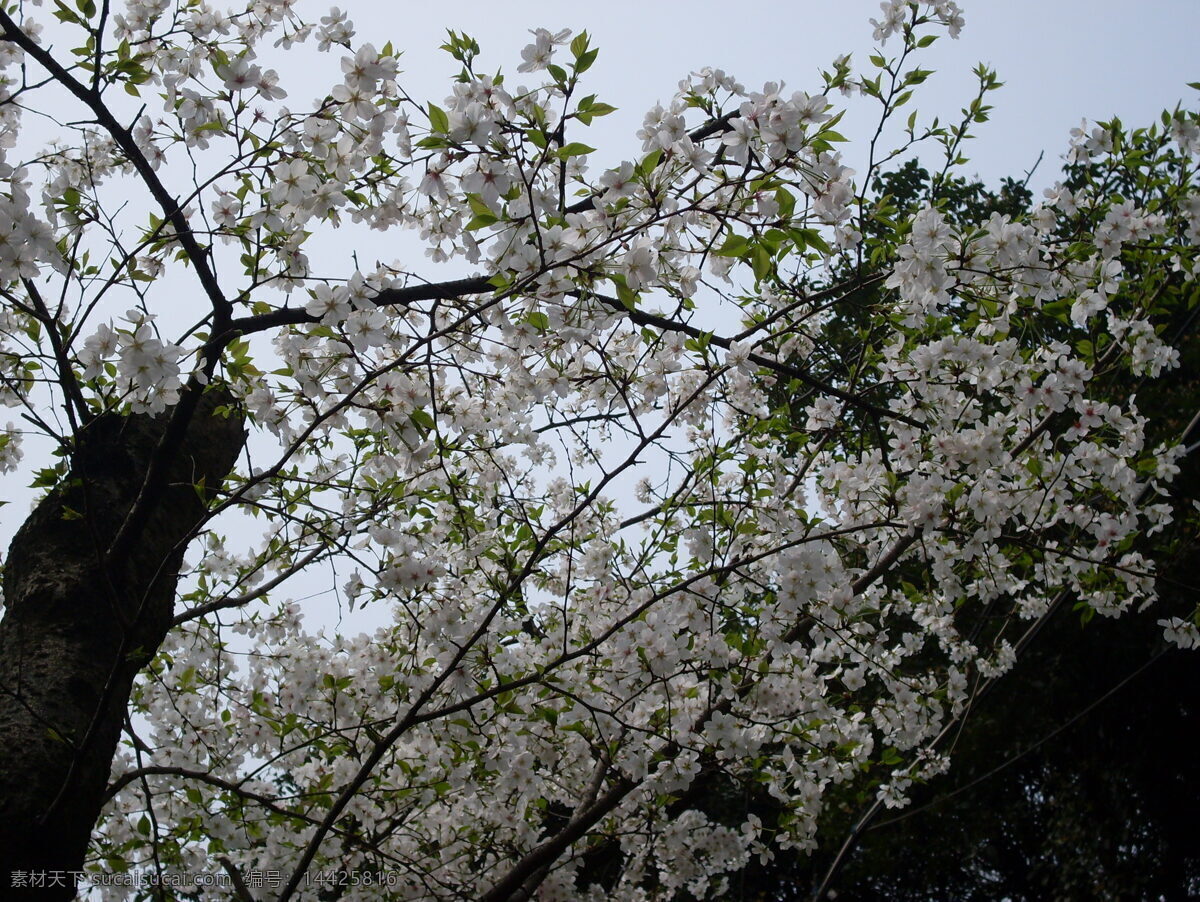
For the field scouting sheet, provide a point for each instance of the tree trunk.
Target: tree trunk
(75, 632)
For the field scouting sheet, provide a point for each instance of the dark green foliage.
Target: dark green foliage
(1077, 777)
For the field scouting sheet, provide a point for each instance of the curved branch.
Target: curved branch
(172, 211)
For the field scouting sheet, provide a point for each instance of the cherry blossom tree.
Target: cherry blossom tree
(630, 526)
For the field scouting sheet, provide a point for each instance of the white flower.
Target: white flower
(823, 414)
(1181, 632)
(10, 448)
(537, 55)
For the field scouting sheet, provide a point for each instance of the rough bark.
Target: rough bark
(76, 631)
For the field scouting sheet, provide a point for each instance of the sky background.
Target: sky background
(1060, 60)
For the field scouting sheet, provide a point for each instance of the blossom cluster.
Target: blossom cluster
(638, 528)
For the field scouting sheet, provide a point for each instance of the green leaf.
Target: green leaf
(627, 296)
(481, 221)
(787, 203)
(760, 261)
(538, 320)
(478, 207)
(45, 478)
(438, 120)
(63, 14)
(649, 163)
(805, 238)
(585, 62)
(734, 246)
(574, 149)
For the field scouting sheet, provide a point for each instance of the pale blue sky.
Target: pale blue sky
(1060, 59)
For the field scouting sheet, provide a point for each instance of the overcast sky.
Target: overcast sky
(1060, 60)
